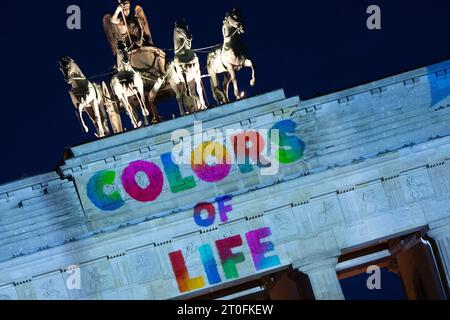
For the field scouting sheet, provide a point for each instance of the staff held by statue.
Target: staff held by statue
(121, 6)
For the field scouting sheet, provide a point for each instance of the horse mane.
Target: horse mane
(75, 70)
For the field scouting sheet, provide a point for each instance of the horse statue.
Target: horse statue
(86, 97)
(183, 73)
(128, 83)
(229, 58)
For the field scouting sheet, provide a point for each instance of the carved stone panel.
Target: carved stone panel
(282, 224)
(144, 266)
(325, 212)
(371, 200)
(8, 293)
(416, 186)
(189, 248)
(51, 288)
(97, 277)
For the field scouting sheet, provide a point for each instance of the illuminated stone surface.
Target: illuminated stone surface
(374, 166)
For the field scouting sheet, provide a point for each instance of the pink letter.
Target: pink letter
(154, 175)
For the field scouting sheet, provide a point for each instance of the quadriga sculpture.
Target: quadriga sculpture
(142, 77)
(229, 58)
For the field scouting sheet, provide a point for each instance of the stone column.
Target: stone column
(323, 277)
(441, 235)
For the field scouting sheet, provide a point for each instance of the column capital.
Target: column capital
(321, 271)
(440, 232)
(316, 263)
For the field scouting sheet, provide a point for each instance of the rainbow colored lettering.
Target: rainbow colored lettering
(229, 261)
(210, 163)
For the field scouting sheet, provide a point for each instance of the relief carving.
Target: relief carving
(146, 266)
(369, 201)
(190, 252)
(49, 290)
(280, 224)
(326, 214)
(417, 189)
(97, 280)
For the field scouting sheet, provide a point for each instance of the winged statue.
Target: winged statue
(128, 28)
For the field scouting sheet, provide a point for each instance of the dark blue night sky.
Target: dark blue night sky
(355, 288)
(305, 47)
(308, 48)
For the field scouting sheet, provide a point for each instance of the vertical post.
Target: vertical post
(322, 275)
(441, 235)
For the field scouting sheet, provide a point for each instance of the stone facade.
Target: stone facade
(355, 167)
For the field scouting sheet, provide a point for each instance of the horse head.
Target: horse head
(66, 65)
(234, 20)
(182, 35)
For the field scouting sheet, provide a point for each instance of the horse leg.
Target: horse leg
(135, 114)
(81, 107)
(104, 118)
(91, 114)
(130, 111)
(239, 95)
(155, 116)
(121, 93)
(178, 89)
(144, 110)
(77, 105)
(213, 80)
(226, 84)
(249, 64)
(195, 98)
(158, 84)
(199, 87)
(101, 108)
(152, 98)
(217, 94)
(152, 106)
(140, 96)
(112, 111)
(113, 114)
(98, 120)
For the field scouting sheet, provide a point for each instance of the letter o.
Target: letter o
(211, 173)
(209, 208)
(155, 176)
